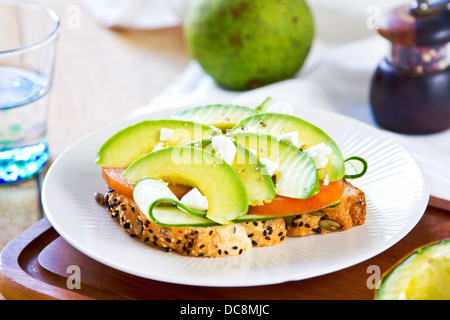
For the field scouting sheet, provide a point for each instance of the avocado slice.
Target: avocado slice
(222, 116)
(258, 184)
(296, 176)
(421, 275)
(195, 167)
(133, 141)
(276, 124)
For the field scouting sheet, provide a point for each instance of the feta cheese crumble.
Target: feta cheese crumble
(165, 134)
(319, 154)
(270, 166)
(224, 148)
(195, 200)
(291, 137)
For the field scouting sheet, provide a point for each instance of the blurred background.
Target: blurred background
(123, 54)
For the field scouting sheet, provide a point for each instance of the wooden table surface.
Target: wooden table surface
(101, 75)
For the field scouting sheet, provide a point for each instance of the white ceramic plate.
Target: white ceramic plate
(394, 185)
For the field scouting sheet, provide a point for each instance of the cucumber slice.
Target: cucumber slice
(171, 216)
(222, 116)
(263, 106)
(264, 217)
(258, 184)
(296, 176)
(257, 217)
(276, 124)
(271, 105)
(359, 165)
(149, 193)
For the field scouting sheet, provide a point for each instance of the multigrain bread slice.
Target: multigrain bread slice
(349, 213)
(215, 241)
(266, 233)
(235, 239)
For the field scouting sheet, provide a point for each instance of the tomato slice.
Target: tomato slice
(280, 206)
(114, 180)
(283, 206)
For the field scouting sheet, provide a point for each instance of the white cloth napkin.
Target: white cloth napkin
(132, 14)
(336, 76)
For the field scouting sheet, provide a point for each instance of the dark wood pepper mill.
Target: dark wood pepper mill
(410, 89)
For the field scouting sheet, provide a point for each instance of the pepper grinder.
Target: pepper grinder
(410, 89)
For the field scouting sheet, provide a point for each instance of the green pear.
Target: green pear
(245, 44)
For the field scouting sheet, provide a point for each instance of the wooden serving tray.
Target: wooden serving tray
(34, 266)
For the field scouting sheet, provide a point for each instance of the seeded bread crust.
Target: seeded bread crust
(235, 239)
(349, 213)
(216, 241)
(266, 233)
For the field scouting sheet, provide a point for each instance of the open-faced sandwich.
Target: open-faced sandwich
(217, 180)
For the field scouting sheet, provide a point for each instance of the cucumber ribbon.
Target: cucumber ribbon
(359, 165)
(150, 193)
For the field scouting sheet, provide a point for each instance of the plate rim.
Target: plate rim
(274, 280)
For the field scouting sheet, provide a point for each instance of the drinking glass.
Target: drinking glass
(28, 38)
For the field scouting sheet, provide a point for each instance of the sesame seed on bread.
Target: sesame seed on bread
(235, 239)
(350, 212)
